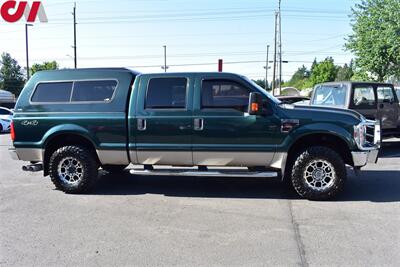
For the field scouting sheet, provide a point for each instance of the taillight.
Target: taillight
(12, 131)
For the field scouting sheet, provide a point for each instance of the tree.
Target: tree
(375, 40)
(260, 82)
(11, 76)
(324, 71)
(53, 65)
(345, 73)
(300, 78)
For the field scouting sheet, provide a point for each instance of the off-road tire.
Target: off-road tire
(114, 168)
(89, 169)
(304, 159)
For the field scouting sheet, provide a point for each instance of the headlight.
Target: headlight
(5, 120)
(360, 132)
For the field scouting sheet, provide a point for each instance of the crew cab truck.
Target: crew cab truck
(71, 123)
(375, 101)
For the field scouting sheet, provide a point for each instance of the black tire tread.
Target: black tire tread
(310, 154)
(90, 167)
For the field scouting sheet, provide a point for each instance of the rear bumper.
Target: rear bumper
(13, 153)
(26, 154)
(362, 158)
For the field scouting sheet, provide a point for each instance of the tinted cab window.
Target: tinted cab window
(166, 93)
(52, 92)
(93, 91)
(224, 94)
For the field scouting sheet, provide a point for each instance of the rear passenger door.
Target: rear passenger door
(164, 120)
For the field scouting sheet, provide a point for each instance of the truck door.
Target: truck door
(364, 101)
(164, 120)
(388, 108)
(224, 133)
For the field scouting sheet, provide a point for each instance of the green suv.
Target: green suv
(71, 123)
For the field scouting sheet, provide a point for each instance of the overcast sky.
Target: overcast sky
(131, 33)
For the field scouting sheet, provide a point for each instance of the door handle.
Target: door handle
(198, 124)
(185, 127)
(141, 124)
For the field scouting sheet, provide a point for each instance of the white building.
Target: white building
(6, 97)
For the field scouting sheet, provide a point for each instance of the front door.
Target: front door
(224, 133)
(164, 120)
(387, 107)
(364, 101)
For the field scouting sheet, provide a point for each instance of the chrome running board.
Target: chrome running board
(212, 173)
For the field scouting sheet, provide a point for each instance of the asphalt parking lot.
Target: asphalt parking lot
(154, 221)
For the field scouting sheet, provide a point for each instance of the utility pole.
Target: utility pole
(27, 50)
(266, 69)
(165, 67)
(277, 73)
(280, 49)
(275, 43)
(75, 57)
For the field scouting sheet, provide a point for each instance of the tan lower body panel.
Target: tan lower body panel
(113, 157)
(30, 154)
(177, 158)
(233, 158)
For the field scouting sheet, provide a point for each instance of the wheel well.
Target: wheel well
(328, 140)
(62, 140)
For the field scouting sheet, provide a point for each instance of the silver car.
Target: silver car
(6, 116)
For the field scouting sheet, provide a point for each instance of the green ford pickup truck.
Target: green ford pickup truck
(71, 123)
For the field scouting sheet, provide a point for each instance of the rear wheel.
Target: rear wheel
(73, 169)
(319, 173)
(1, 128)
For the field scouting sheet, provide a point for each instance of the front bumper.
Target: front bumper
(362, 158)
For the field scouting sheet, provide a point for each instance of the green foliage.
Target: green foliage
(345, 73)
(11, 76)
(260, 82)
(324, 71)
(300, 78)
(53, 65)
(375, 40)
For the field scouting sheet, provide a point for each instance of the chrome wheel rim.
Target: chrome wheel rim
(319, 175)
(70, 170)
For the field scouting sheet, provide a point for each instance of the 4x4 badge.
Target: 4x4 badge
(30, 123)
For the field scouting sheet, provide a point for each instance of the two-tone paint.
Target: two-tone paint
(123, 131)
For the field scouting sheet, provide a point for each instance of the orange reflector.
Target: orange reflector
(12, 131)
(254, 107)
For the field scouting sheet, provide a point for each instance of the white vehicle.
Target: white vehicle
(397, 89)
(6, 116)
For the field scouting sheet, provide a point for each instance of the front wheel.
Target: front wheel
(319, 173)
(73, 169)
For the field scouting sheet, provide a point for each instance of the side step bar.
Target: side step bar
(212, 173)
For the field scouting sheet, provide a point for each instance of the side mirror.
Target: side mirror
(255, 104)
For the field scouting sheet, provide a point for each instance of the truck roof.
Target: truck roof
(193, 72)
(355, 82)
(96, 69)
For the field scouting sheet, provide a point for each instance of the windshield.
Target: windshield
(262, 90)
(330, 95)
